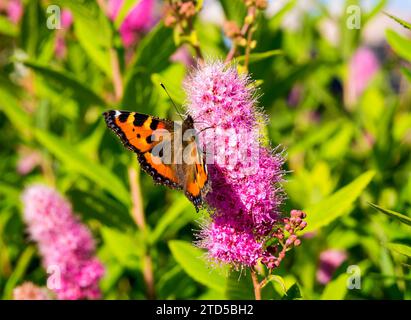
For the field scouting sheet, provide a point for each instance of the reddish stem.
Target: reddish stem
(138, 215)
(256, 284)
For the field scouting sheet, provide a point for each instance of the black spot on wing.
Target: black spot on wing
(154, 124)
(109, 117)
(123, 116)
(139, 119)
(149, 139)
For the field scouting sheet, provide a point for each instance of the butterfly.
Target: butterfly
(167, 150)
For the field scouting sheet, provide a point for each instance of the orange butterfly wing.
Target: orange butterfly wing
(136, 131)
(196, 177)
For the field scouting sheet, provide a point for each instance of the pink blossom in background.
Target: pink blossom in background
(363, 66)
(15, 10)
(330, 260)
(139, 19)
(66, 18)
(28, 160)
(63, 242)
(29, 291)
(182, 55)
(113, 8)
(245, 196)
(294, 97)
(60, 47)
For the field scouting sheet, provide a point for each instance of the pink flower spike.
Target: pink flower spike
(245, 176)
(66, 245)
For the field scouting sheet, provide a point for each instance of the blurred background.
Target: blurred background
(338, 101)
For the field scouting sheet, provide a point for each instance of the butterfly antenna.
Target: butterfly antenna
(172, 101)
(204, 129)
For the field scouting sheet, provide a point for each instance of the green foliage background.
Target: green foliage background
(334, 173)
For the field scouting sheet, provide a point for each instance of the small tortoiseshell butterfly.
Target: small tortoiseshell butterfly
(143, 134)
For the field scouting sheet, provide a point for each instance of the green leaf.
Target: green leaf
(66, 80)
(400, 44)
(191, 259)
(400, 248)
(154, 50)
(234, 10)
(279, 280)
(404, 23)
(93, 31)
(10, 191)
(138, 88)
(260, 56)
(7, 27)
(336, 289)
(17, 116)
(401, 217)
(336, 205)
(172, 78)
(92, 205)
(293, 293)
(373, 12)
(277, 18)
(19, 271)
(407, 73)
(169, 217)
(239, 286)
(77, 162)
(322, 134)
(125, 247)
(124, 10)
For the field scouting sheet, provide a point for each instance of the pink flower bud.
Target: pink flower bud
(302, 225)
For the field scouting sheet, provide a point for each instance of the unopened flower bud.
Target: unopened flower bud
(261, 4)
(187, 9)
(231, 29)
(302, 225)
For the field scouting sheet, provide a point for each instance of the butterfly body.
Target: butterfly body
(167, 150)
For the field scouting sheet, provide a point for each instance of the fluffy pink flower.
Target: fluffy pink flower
(64, 243)
(29, 291)
(330, 260)
(244, 175)
(362, 68)
(15, 10)
(138, 20)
